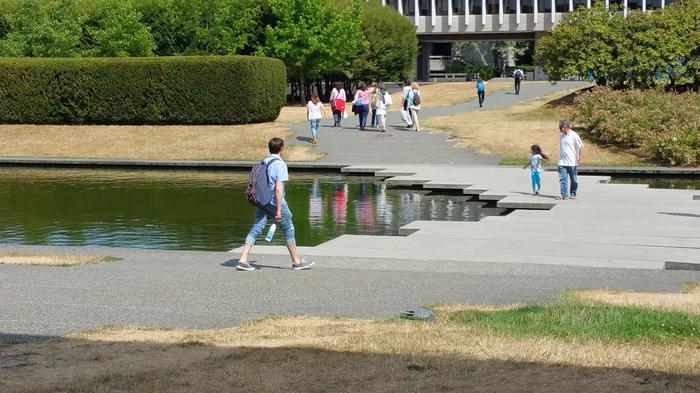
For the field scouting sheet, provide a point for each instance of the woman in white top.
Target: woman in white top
(338, 99)
(414, 105)
(383, 102)
(315, 112)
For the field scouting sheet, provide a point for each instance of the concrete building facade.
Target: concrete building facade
(440, 21)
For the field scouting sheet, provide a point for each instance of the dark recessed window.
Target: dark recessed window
(527, 6)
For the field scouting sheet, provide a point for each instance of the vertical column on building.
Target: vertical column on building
(416, 14)
(588, 3)
(466, 12)
(644, 5)
(423, 69)
(624, 8)
(449, 12)
(500, 12)
(433, 16)
(571, 5)
(383, 3)
(483, 12)
(517, 11)
(400, 7)
(607, 4)
(535, 11)
(554, 9)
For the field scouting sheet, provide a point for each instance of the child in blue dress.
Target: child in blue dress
(535, 165)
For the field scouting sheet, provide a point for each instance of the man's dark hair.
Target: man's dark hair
(275, 145)
(407, 82)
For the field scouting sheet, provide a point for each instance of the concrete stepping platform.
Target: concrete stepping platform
(609, 225)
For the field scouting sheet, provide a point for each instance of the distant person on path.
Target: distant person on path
(535, 164)
(374, 95)
(338, 99)
(570, 153)
(384, 102)
(314, 113)
(481, 91)
(405, 113)
(518, 76)
(414, 102)
(277, 175)
(361, 103)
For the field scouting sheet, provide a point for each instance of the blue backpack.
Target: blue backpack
(258, 191)
(480, 86)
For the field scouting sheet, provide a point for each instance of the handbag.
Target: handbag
(339, 104)
(407, 117)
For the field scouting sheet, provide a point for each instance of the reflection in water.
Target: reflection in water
(200, 210)
(315, 204)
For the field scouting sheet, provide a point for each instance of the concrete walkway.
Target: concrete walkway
(181, 289)
(613, 236)
(348, 145)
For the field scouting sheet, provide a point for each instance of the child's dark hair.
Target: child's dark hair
(275, 145)
(537, 150)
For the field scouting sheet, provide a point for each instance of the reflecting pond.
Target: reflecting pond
(194, 210)
(677, 183)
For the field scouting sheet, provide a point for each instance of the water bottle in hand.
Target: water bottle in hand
(271, 232)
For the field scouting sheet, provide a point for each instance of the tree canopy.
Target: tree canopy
(640, 50)
(354, 39)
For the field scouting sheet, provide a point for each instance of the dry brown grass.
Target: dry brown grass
(51, 259)
(688, 301)
(339, 355)
(511, 131)
(245, 142)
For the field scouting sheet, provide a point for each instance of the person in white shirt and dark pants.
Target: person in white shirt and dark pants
(570, 153)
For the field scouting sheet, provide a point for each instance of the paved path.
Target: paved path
(203, 290)
(347, 145)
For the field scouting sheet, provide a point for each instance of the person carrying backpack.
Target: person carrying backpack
(518, 76)
(266, 192)
(414, 101)
(481, 91)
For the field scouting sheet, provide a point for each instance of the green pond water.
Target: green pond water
(677, 183)
(190, 210)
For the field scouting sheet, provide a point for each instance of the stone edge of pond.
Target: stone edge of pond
(192, 164)
(150, 164)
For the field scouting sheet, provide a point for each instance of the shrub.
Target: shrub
(663, 125)
(165, 90)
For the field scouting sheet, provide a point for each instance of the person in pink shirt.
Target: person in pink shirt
(361, 105)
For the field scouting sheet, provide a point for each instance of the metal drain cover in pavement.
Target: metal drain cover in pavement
(419, 314)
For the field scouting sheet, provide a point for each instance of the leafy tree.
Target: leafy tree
(586, 41)
(114, 29)
(312, 37)
(201, 26)
(641, 50)
(392, 45)
(502, 50)
(42, 28)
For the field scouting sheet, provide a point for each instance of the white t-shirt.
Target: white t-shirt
(536, 163)
(569, 146)
(314, 110)
(406, 90)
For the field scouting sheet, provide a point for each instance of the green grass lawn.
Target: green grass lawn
(577, 320)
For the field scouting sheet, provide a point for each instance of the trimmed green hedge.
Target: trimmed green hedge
(157, 90)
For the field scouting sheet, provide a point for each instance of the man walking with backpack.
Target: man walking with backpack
(518, 75)
(266, 192)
